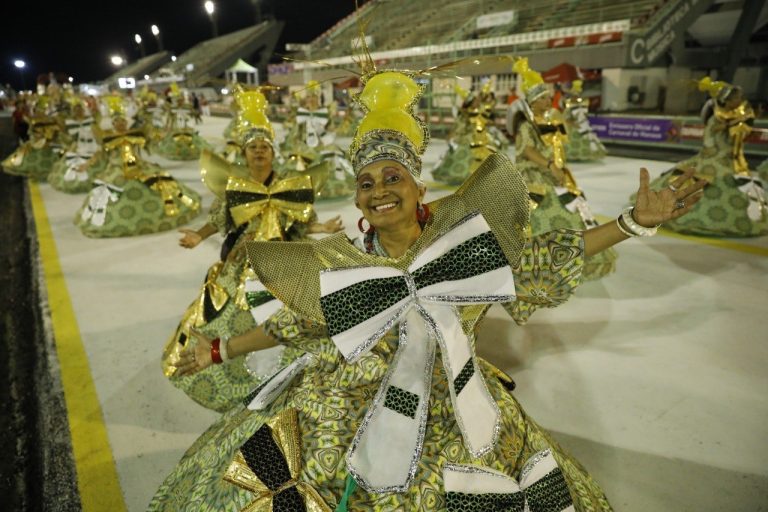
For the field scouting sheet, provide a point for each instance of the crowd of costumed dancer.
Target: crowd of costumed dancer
(344, 369)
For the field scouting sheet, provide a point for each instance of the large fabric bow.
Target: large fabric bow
(170, 192)
(464, 266)
(269, 466)
(292, 197)
(542, 488)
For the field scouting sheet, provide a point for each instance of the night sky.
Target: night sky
(77, 37)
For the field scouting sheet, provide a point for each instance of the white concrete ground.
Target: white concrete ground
(654, 377)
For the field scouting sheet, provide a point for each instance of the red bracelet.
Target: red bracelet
(216, 352)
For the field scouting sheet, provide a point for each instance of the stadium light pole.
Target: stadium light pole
(156, 33)
(20, 65)
(137, 38)
(210, 8)
(117, 60)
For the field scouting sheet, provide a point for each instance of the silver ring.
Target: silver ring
(680, 205)
(672, 188)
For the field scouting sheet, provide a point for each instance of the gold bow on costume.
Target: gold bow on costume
(169, 191)
(292, 197)
(274, 450)
(551, 127)
(738, 129)
(182, 138)
(125, 144)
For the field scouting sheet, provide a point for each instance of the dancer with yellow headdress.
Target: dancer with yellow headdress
(179, 141)
(74, 172)
(47, 137)
(474, 139)
(371, 418)
(583, 145)
(734, 202)
(252, 203)
(557, 202)
(133, 196)
(309, 148)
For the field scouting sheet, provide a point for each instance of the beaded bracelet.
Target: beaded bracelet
(224, 349)
(627, 225)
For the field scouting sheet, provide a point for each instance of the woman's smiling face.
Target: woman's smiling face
(388, 195)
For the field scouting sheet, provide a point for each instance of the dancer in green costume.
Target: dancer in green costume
(309, 149)
(473, 139)
(390, 409)
(36, 157)
(583, 145)
(229, 303)
(133, 196)
(557, 201)
(180, 141)
(734, 202)
(75, 171)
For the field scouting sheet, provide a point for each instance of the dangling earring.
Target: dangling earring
(422, 213)
(362, 229)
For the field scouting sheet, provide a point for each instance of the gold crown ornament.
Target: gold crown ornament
(717, 90)
(252, 121)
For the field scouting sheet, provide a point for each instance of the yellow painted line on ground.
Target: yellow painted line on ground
(715, 242)
(96, 472)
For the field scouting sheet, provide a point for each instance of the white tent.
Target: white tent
(251, 73)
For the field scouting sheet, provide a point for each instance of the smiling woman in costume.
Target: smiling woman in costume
(390, 408)
(251, 204)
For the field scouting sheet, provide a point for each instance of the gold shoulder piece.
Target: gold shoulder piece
(215, 171)
(291, 270)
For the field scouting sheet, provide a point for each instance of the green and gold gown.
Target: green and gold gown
(555, 206)
(66, 175)
(290, 446)
(309, 148)
(224, 307)
(133, 196)
(36, 157)
(734, 202)
(583, 145)
(180, 142)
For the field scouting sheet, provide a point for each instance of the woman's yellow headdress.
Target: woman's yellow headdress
(252, 120)
(115, 105)
(533, 84)
(389, 130)
(716, 89)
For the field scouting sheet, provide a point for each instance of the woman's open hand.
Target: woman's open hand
(653, 208)
(197, 357)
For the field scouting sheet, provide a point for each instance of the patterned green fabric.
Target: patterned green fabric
(578, 148)
(179, 150)
(31, 162)
(139, 210)
(93, 170)
(221, 387)
(723, 209)
(332, 395)
(550, 213)
(456, 164)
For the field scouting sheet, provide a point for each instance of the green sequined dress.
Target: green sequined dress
(550, 212)
(133, 196)
(222, 310)
(331, 396)
(733, 205)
